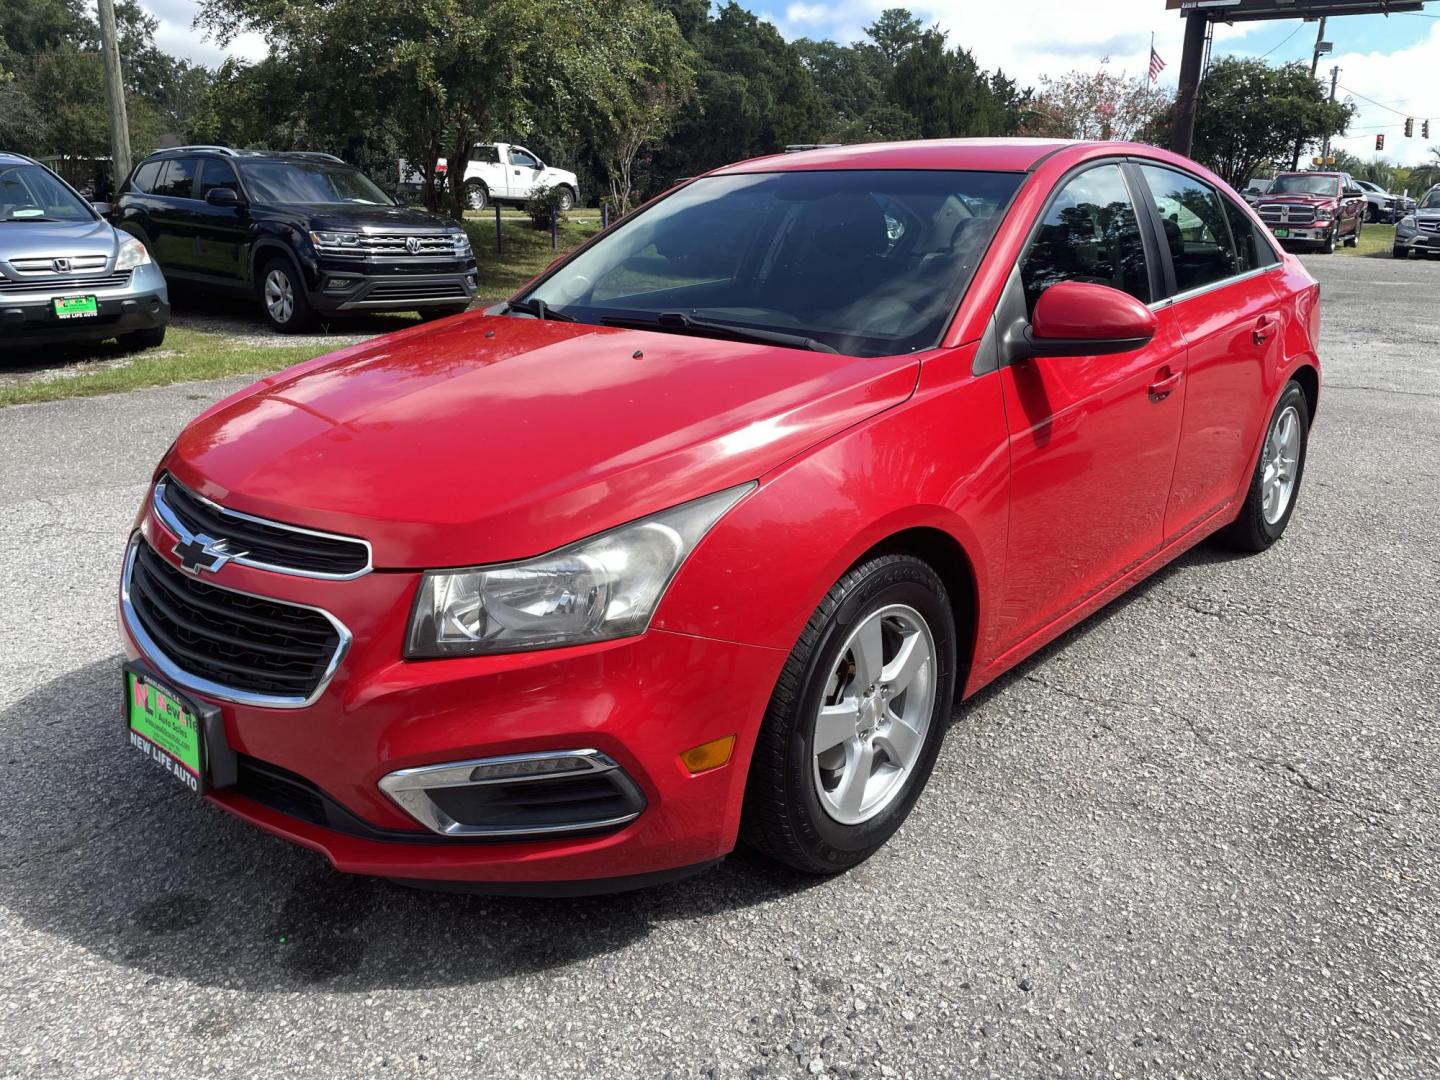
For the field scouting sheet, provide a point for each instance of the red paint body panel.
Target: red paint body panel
(1052, 483)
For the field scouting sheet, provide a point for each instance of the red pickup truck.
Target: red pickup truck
(1321, 208)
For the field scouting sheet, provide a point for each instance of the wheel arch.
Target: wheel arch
(1309, 379)
(264, 251)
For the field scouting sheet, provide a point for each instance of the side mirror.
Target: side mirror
(1078, 318)
(222, 196)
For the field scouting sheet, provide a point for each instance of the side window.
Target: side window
(485, 154)
(1252, 250)
(1090, 233)
(178, 179)
(215, 173)
(145, 176)
(524, 158)
(1195, 227)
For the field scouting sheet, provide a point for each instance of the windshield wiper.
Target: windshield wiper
(26, 218)
(678, 320)
(538, 308)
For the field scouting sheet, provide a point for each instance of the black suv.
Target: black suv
(304, 233)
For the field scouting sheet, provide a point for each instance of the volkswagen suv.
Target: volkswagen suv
(303, 233)
(65, 274)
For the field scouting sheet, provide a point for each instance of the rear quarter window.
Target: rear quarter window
(145, 177)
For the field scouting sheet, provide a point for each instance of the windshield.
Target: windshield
(1305, 185)
(310, 183)
(1430, 200)
(869, 263)
(31, 193)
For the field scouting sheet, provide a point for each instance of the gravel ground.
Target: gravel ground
(1195, 838)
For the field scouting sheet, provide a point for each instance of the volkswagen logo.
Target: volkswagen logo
(60, 266)
(412, 245)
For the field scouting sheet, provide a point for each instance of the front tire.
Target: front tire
(1275, 484)
(138, 340)
(1327, 246)
(566, 200)
(856, 720)
(1400, 252)
(282, 297)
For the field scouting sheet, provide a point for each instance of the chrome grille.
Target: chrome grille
(1428, 226)
(58, 285)
(396, 246)
(228, 644)
(72, 264)
(262, 544)
(1286, 214)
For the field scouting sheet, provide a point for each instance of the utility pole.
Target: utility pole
(1334, 83)
(114, 94)
(1187, 97)
(1314, 67)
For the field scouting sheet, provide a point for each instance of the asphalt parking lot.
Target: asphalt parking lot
(1198, 837)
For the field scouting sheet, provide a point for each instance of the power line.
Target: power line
(1288, 36)
(1382, 105)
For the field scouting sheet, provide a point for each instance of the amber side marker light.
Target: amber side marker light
(710, 755)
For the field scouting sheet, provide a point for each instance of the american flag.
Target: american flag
(1156, 64)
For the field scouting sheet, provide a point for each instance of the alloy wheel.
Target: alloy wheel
(279, 296)
(1282, 460)
(872, 722)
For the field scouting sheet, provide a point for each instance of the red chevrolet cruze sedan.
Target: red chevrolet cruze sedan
(698, 538)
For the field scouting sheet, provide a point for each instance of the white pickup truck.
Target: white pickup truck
(503, 173)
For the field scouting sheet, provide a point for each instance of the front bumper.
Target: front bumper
(359, 288)
(1303, 234)
(1418, 240)
(639, 702)
(29, 318)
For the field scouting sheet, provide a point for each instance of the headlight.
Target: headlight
(462, 244)
(605, 587)
(1406, 222)
(132, 254)
(335, 239)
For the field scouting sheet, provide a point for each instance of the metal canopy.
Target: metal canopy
(1250, 10)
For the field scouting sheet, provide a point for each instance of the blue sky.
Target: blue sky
(1392, 61)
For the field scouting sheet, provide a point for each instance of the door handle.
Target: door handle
(1165, 385)
(1261, 333)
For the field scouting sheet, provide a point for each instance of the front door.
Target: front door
(1092, 439)
(524, 173)
(222, 232)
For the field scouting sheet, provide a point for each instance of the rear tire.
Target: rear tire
(822, 812)
(282, 297)
(476, 197)
(1262, 520)
(136, 340)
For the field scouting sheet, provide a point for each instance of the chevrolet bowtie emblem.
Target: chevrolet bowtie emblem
(202, 554)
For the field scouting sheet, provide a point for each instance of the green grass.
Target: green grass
(1375, 240)
(190, 354)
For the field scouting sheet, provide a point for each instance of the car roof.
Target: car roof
(981, 155)
(226, 151)
(8, 157)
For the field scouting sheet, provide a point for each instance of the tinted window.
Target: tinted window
(217, 174)
(1252, 250)
(178, 179)
(525, 158)
(1195, 227)
(1090, 233)
(868, 262)
(146, 175)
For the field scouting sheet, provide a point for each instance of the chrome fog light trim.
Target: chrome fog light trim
(409, 789)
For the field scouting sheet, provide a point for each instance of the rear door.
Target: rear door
(1218, 290)
(172, 216)
(1092, 439)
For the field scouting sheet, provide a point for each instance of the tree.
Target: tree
(949, 95)
(1251, 114)
(1095, 105)
(895, 33)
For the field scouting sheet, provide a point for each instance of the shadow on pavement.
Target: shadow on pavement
(99, 851)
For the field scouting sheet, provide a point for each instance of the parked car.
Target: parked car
(503, 173)
(303, 233)
(65, 273)
(1419, 231)
(1381, 206)
(698, 537)
(1257, 187)
(1319, 208)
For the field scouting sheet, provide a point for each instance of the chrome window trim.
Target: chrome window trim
(167, 515)
(407, 788)
(172, 671)
(1212, 286)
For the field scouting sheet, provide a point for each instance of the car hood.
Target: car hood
(374, 217)
(489, 438)
(52, 239)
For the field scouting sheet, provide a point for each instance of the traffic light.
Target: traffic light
(1379, 142)
(1425, 129)
(1409, 128)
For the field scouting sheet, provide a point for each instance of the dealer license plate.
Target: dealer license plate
(1282, 233)
(76, 307)
(166, 729)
